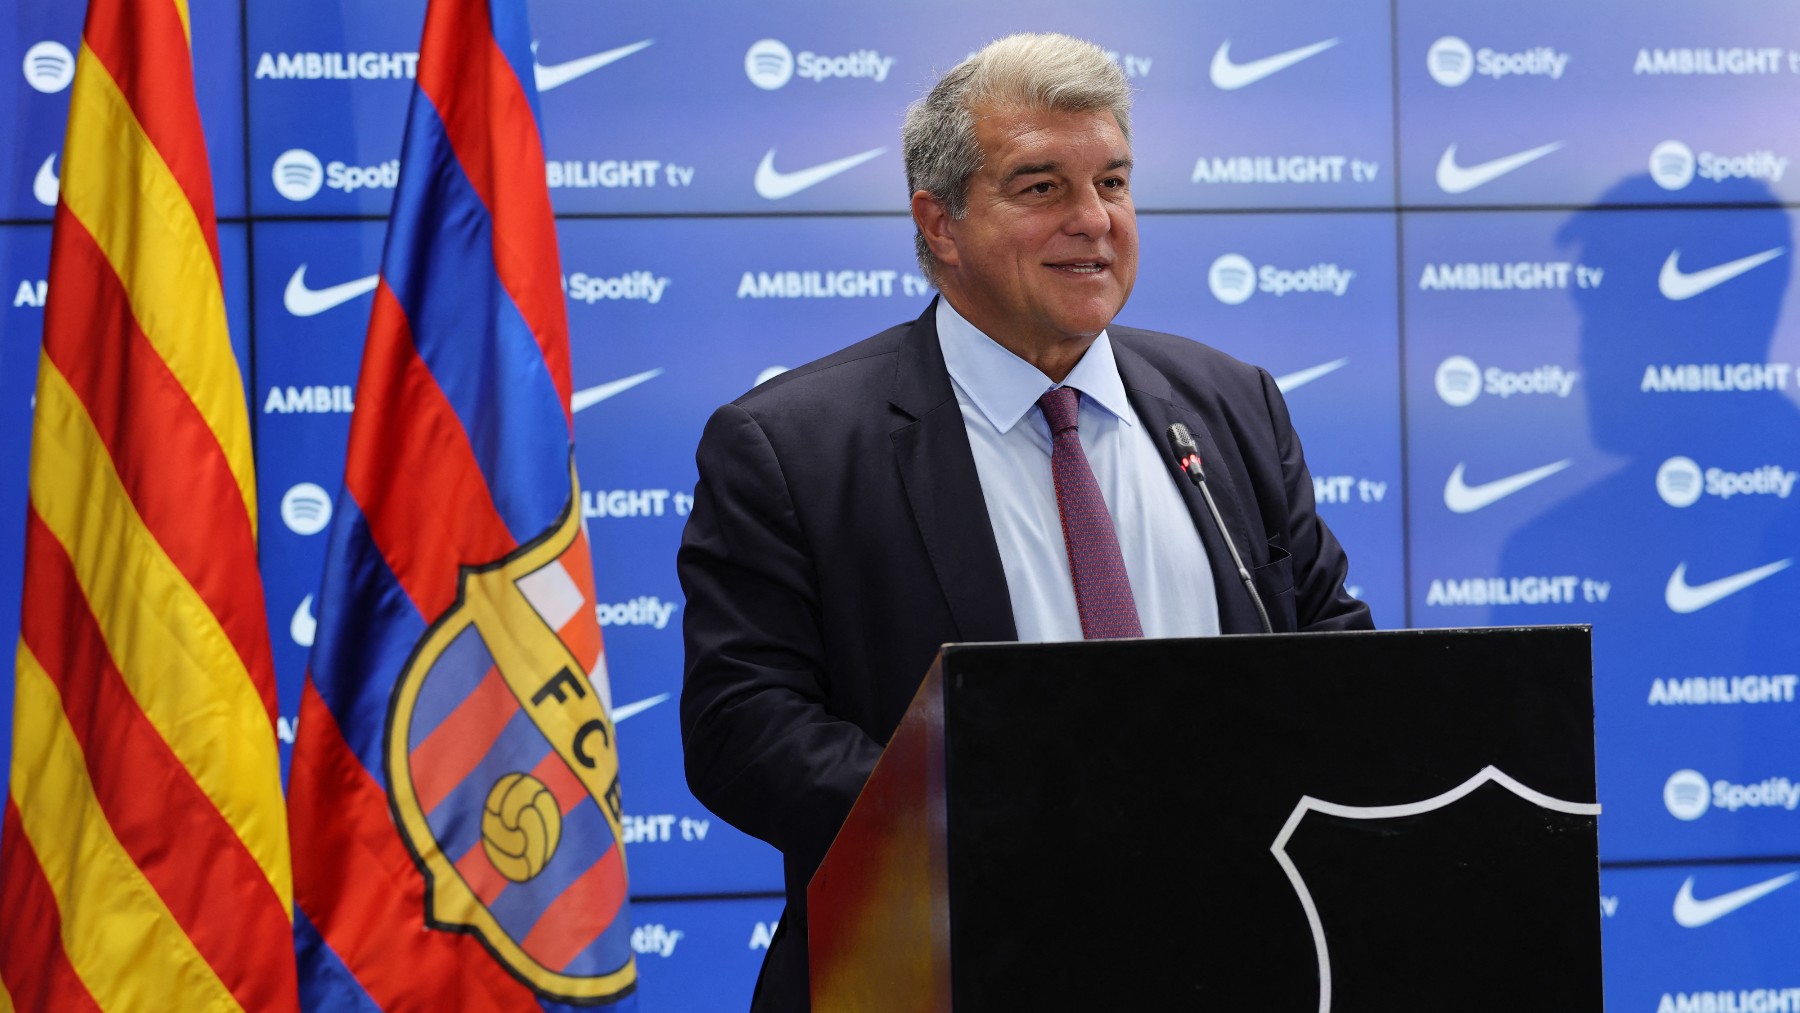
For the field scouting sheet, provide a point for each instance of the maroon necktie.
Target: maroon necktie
(1102, 587)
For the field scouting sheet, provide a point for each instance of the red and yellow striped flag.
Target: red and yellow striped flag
(144, 863)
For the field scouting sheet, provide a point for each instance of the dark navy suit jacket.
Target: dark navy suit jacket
(838, 536)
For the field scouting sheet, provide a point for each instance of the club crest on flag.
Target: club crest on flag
(503, 775)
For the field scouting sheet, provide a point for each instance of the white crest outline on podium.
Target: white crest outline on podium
(1308, 804)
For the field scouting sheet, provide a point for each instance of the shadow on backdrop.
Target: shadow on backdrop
(1695, 521)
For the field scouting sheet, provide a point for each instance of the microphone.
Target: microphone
(1187, 458)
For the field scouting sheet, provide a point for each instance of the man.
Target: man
(855, 513)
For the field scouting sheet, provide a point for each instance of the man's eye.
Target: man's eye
(1041, 187)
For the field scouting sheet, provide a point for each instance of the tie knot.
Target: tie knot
(1061, 409)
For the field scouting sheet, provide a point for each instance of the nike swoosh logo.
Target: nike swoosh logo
(1453, 178)
(624, 711)
(558, 74)
(1677, 284)
(588, 397)
(310, 302)
(776, 185)
(1691, 913)
(303, 627)
(1300, 378)
(1683, 598)
(1464, 499)
(1229, 76)
(45, 185)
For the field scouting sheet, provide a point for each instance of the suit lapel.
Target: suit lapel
(931, 448)
(1157, 408)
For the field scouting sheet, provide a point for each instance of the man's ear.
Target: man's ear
(934, 223)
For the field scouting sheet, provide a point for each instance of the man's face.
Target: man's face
(1047, 252)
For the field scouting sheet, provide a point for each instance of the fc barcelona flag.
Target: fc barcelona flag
(145, 855)
(455, 787)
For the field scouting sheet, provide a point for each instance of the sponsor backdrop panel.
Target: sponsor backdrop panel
(234, 266)
(1311, 299)
(218, 38)
(1603, 430)
(1552, 103)
(1692, 367)
(328, 90)
(1698, 937)
(1269, 105)
(701, 954)
(796, 106)
(669, 320)
(1496, 391)
(313, 285)
(24, 263)
(39, 43)
(784, 106)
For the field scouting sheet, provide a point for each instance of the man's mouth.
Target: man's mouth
(1082, 266)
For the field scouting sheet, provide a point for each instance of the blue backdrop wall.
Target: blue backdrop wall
(1522, 270)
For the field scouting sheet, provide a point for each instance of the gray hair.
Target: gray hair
(1031, 71)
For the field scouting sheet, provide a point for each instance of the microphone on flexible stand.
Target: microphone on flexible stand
(1187, 458)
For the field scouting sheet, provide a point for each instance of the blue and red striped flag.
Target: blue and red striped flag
(145, 855)
(454, 794)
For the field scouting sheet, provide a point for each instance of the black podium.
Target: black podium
(1393, 821)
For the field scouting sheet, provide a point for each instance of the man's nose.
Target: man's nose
(1089, 214)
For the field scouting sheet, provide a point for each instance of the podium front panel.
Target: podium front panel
(1239, 822)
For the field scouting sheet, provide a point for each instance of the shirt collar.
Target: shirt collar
(1004, 387)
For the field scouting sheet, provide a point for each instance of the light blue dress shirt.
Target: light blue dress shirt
(998, 391)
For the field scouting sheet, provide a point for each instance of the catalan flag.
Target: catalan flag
(455, 789)
(144, 863)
